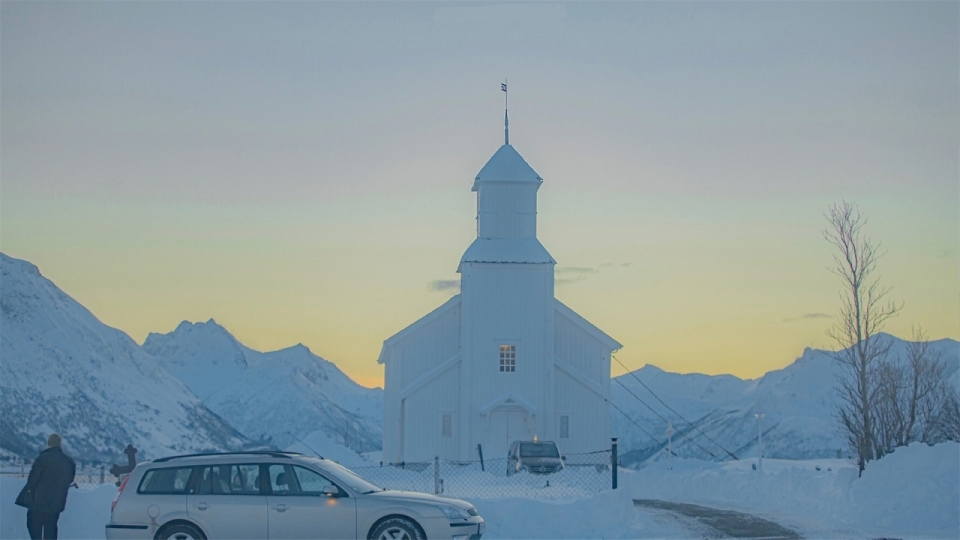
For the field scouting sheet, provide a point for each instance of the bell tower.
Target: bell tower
(507, 316)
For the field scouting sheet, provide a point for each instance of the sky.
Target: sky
(300, 171)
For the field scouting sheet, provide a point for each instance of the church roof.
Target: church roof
(453, 302)
(506, 165)
(597, 333)
(507, 250)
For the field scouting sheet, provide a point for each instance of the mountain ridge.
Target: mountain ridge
(63, 370)
(272, 395)
(798, 401)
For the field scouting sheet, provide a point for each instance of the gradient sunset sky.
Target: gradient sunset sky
(301, 171)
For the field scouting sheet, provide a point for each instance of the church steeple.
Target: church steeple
(506, 108)
(506, 190)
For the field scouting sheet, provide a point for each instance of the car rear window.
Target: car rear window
(539, 450)
(171, 481)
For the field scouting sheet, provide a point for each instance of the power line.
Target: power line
(671, 409)
(665, 420)
(625, 415)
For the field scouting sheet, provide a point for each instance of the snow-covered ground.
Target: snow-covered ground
(88, 510)
(914, 493)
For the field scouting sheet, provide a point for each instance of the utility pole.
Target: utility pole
(669, 445)
(759, 416)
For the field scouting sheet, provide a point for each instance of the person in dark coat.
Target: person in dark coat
(45, 494)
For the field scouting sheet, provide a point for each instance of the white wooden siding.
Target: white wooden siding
(423, 438)
(580, 350)
(429, 346)
(507, 304)
(589, 416)
(506, 210)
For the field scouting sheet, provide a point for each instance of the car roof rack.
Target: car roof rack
(271, 453)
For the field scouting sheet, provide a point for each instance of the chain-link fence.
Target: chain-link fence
(582, 474)
(85, 478)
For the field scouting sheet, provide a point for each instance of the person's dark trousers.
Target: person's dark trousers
(42, 525)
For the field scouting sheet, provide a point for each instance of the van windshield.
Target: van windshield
(539, 450)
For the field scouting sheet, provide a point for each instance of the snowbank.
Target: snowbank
(915, 488)
(913, 491)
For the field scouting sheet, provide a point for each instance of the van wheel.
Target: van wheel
(180, 531)
(398, 529)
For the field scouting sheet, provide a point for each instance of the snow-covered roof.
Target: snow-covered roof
(597, 333)
(507, 250)
(506, 165)
(453, 302)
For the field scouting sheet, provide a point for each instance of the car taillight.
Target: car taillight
(119, 491)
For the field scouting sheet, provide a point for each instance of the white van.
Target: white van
(535, 457)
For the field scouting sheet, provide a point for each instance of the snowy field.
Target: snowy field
(912, 493)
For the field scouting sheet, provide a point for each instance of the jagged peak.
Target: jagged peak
(23, 266)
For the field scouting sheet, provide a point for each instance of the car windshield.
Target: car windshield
(350, 478)
(539, 450)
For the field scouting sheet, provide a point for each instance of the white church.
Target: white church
(503, 360)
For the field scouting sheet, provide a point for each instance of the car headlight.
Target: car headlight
(453, 512)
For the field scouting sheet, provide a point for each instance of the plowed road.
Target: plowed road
(715, 523)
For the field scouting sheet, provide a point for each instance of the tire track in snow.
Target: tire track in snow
(724, 523)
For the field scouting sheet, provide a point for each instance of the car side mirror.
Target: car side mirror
(331, 491)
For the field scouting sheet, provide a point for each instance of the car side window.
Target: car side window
(282, 480)
(245, 479)
(311, 483)
(171, 481)
(230, 480)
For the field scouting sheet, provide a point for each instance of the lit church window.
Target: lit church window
(508, 358)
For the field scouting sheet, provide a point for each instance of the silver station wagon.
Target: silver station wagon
(276, 495)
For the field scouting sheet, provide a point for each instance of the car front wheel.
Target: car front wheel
(398, 529)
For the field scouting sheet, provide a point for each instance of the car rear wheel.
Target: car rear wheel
(397, 529)
(180, 531)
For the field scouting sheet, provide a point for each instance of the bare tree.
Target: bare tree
(948, 425)
(912, 396)
(864, 309)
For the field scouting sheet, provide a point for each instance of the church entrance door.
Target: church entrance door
(506, 426)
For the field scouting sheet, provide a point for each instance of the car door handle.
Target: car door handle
(280, 508)
(202, 506)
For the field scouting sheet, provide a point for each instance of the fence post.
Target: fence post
(480, 451)
(436, 475)
(102, 469)
(613, 460)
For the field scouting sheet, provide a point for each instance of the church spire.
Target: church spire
(506, 128)
(506, 118)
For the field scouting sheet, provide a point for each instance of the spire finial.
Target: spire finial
(506, 118)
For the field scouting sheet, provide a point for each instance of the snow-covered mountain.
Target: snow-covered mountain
(273, 396)
(63, 370)
(799, 403)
